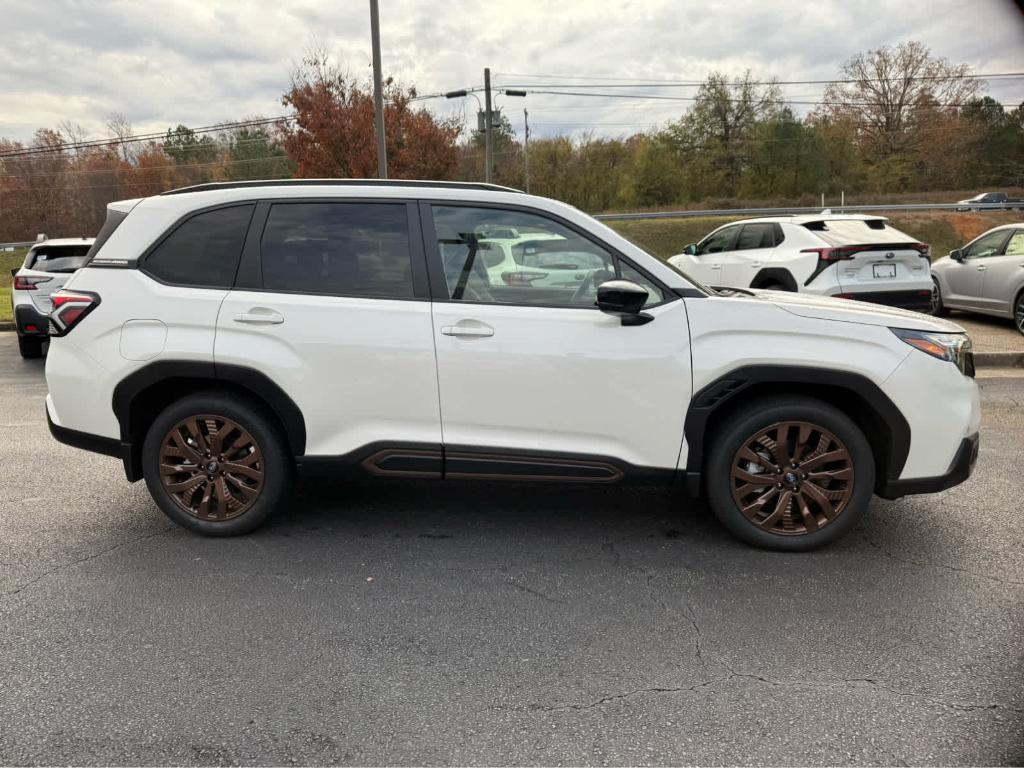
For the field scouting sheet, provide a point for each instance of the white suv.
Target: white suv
(47, 266)
(847, 256)
(224, 336)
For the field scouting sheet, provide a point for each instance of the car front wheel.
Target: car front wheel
(936, 307)
(216, 463)
(790, 474)
(1018, 312)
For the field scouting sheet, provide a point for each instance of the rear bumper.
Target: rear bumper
(960, 469)
(29, 321)
(919, 299)
(107, 446)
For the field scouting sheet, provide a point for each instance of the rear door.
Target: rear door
(331, 303)
(51, 266)
(752, 250)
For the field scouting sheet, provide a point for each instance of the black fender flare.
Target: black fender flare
(249, 379)
(726, 388)
(774, 275)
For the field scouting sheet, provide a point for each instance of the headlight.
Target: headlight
(952, 347)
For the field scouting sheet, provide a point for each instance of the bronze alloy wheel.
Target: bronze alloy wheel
(792, 478)
(211, 467)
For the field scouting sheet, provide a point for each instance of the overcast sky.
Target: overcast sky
(200, 62)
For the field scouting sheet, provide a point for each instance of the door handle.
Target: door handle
(756, 264)
(716, 266)
(478, 331)
(982, 268)
(260, 316)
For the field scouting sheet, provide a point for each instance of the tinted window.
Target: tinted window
(551, 265)
(756, 236)
(1016, 245)
(204, 251)
(57, 258)
(717, 242)
(346, 249)
(857, 231)
(113, 221)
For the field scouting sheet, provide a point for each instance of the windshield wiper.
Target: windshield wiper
(727, 291)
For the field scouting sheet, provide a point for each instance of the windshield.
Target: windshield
(57, 258)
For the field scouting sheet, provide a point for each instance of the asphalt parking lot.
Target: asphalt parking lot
(481, 624)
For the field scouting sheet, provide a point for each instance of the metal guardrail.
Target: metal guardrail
(740, 212)
(15, 246)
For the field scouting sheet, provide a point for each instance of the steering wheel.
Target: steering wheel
(587, 284)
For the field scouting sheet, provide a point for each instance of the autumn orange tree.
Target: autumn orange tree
(332, 134)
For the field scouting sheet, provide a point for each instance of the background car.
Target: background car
(986, 275)
(46, 268)
(848, 256)
(990, 198)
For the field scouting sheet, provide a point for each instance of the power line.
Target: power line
(625, 82)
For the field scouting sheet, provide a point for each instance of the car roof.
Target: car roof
(64, 241)
(803, 218)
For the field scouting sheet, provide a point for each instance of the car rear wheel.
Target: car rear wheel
(216, 464)
(936, 307)
(790, 474)
(1018, 312)
(30, 347)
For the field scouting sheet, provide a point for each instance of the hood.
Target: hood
(849, 311)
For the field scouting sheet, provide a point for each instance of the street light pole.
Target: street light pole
(378, 93)
(526, 147)
(488, 145)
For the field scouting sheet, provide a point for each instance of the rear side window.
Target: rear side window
(204, 250)
(57, 258)
(113, 221)
(342, 249)
(756, 236)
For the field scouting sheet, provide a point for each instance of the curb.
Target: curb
(6, 325)
(999, 359)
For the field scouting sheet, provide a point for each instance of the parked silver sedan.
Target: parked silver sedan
(986, 275)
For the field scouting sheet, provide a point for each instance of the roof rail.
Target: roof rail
(214, 185)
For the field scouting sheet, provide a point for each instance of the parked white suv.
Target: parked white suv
(826, 254)
(47, 266)
(224, 336)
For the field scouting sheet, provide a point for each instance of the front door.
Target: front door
(751, 252)
(338, 315)
(1004, 275)
(967, 279)
(534, 380)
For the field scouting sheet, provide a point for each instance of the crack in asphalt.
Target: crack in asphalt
(87, 558)
(534, 592)
(843, 682)
(942, 566)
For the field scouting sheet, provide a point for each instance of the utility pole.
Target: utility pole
(526, 147)
(488, 143)
(378, 93)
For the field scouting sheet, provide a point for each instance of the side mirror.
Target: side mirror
(624, 299)
(957, 254)
(691, 249)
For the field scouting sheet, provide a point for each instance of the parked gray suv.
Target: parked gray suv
(986, 275)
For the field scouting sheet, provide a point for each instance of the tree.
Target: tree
(332, 134)
(715, 134)
(881, 90)
(255, 152)
(194, 154)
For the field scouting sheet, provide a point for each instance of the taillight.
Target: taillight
(521, 278)
(923, 249)
(842, 253)
(22, 283)
(69, 308)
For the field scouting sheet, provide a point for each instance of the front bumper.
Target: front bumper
(29, 321)
(959, 470)
(917, 299)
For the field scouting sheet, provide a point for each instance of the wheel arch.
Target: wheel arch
(855, 395)
(775, 275)
(140, 396)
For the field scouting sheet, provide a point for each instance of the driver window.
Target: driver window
(983, 247)
(512, 257)
(718, 241)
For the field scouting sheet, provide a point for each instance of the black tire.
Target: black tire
(248, 416)
(937, 308)
(1018, 312)
(30, 347)
(762, 414)
(774, 286)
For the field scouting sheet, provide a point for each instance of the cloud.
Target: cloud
(198, 62)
